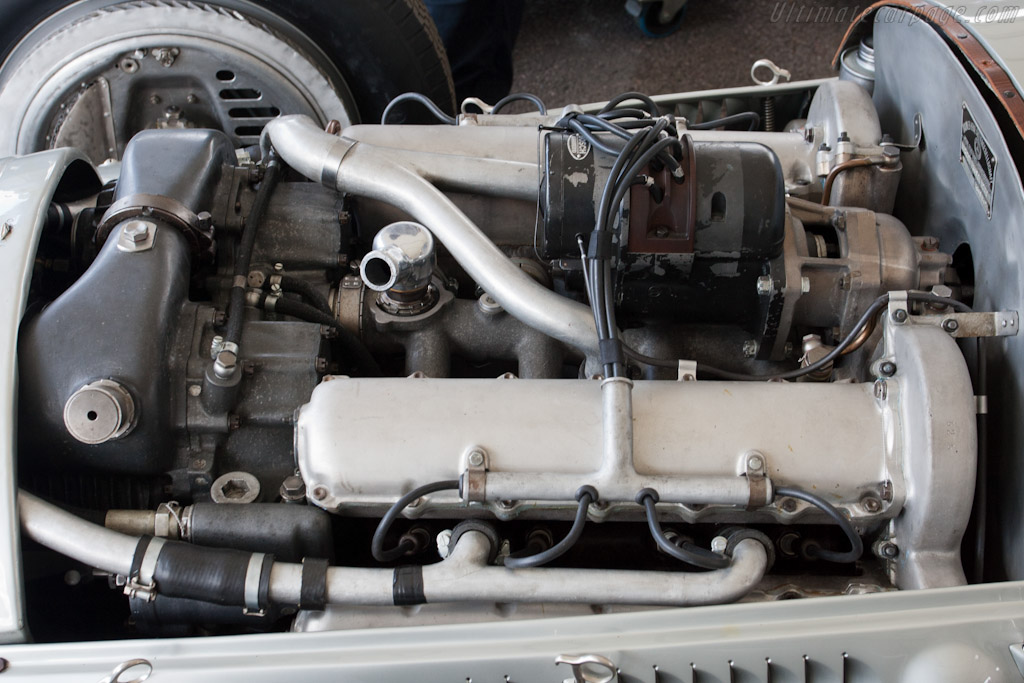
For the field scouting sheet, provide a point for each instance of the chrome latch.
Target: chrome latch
(589, 668)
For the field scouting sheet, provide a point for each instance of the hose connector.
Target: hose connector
(401, 263)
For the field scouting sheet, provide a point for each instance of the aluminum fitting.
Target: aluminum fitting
(402, 261)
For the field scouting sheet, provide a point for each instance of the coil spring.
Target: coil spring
(768, 114)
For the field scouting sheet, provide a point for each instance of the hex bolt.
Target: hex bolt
(137, 231)
(899, 316)
(476, 459)
(950, 325)
(788, 505)
(750, 348)
(871, 504)
(755, 462)
(887, 368)
(293, 489)
(216, 346)
(765, 285)
(889, 550)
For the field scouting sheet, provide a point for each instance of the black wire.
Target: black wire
(832, 355)
(305, 288)
(687, 552)
(585, 495)
(857, 545)
(626, 112)
(613, 103)
(422, 99)
(752, 116)
(520, 97)
(377, 544)
(243, 259)
(351, 344)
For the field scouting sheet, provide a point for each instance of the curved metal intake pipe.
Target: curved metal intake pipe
(465, 576)
(402, 261)
(363, 170)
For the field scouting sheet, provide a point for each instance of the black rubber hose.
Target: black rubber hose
(307, 291)
(857, 545)
(422, 99)
(214, 575)
(585, 496)
(687, 552)
(627, 112)
(751, 116)
(377, 544)
(243, 259)
(520, 97)
(613, 103)
(351, 344)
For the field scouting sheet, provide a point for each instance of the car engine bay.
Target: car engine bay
(607, 358)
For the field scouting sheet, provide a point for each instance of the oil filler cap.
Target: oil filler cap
(99, 412)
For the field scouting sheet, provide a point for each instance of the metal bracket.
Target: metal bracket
(474, 479)
(687, 371)
(586, 668)
(778, 73)
(1017, 652)
(994, 324)
(755, 466)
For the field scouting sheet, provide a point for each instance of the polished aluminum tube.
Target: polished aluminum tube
(70, 535)
(366, 171)
(465, 576)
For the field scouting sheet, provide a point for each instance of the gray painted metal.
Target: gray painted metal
(947, 636)
(27, 185)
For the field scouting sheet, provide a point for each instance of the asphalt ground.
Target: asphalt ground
(575, 51)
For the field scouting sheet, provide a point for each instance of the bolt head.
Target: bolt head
(765, 285)
(755, 462)
(889, 550)
(320, 492)
(476, 459)
(950, 325)
(887, 368)
(899, 316)
(719, 544)
(750, 348)
(137, 231)
(871, 504)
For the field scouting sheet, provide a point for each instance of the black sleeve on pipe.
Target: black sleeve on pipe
(263, 597)
(208, 574)
(407, 586)
(313, 591)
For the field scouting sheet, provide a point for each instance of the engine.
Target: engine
(603, 360)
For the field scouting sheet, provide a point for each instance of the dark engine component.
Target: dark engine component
(694, 246)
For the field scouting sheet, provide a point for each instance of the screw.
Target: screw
(195, 390)
(216, 346)
(899, 316)
(950, 325)
(320, 492)
(275, 289)
(789, 505)
(755, 462)
(765, 285)
(750, 348)
(839, 220)
(154, 99)
(278, 267)
(199, 464)
(476, 459)
(321, 364)
(191, 98)
(889, 550)
(871, 504)
(887, 368)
